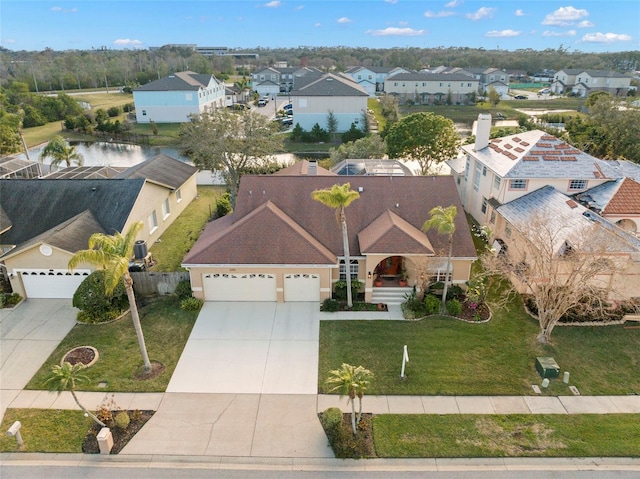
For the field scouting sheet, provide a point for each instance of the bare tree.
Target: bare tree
(562, 265)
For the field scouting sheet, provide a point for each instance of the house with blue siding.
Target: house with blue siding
(313, 100)
(173, 98)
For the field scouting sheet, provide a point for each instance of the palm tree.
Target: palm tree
(61, 152)
(350, 381)
(112, 253)
(242, 86)
(66, 377)
(443, 220)
(339, 197)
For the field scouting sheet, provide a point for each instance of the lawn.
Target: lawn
(449, 357)
(178, 239)
(585, 435)
(166, 329)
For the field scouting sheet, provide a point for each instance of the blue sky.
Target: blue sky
(585, 25)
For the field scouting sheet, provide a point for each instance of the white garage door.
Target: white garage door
(301, 287)
(51, 283)
(239, 287)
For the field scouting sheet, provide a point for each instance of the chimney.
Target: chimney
(312, 169)
(483, 130)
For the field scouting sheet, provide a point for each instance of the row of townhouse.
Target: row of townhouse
(432, 88)
(506, 182)
(580, 82)
(274, 80)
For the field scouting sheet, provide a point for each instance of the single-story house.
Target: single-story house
(173, 98)
(281, 245)
(40, 235)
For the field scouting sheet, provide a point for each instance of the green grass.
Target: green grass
(451, 357)
(45, 430)
(374, 105)
(104, 100)
(166, 329)
(178, 239)
(507, 436)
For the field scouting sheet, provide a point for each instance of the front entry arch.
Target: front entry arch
(390, 267)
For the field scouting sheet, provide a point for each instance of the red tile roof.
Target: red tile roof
(626, 201)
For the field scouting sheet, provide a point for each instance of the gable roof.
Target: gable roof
(329, 85)
(387, 231)
(53, 202)
(536, 154)
(180, 81)
(161, 169)
(409, 198)
(302, 168)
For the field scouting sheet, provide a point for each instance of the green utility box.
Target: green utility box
(547, 367)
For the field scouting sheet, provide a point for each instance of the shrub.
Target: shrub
(352, 134)
(9, 300)
(183, 290)
(431, 304)
(455, 292)
(454, 307)
(223, 205)
(329, 305)
(113, 111)
(413, 307)
(94, 304)
(331, 420)
(340, 289)
(122, 420)
(191, 304)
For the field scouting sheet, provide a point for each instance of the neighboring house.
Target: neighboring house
(272, 80)
(617, 200)
(501, 88)
(173, 98)
(430, 88)
(372, 78)
(564, 218)
(313, 101)
(371, 167)
(40, 235)
(495, 172)
(583, 82)
(304, 167)
(281, 245)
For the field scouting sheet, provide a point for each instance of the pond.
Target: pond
(112, 154)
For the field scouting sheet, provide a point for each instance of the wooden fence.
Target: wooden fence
(146, 283)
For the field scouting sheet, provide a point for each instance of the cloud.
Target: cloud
(586, 24)
(564, 16)
(272, 4)
(503, 33)
(63, 10)
(317, 25)
(606, 37)
(298, 8)
(481, 13)
(445, 13)
(126, 42)
(454, 3)
(568, 33)
(519, 13)
(395, 31)
(391, 1)
(9, 41)
(344, 20)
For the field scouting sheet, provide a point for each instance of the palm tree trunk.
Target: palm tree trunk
(359, 408)
(92, 416)
(353, 416)
(446, 277)
(347, 257)
(135, 317)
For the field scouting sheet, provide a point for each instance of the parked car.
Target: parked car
(288, 121)
(521, 97)
(544, 91)
(288, 106)
(262, 102)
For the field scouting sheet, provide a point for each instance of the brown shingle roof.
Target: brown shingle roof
(302, 168)
(275, 235)
(389, 230)
(626, 200)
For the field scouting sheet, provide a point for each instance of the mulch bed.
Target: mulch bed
(346, 445)
(156, 369)
(82, 355)
(120, 436)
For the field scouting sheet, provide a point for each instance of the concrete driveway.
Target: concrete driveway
(28, 335)
(251, 348)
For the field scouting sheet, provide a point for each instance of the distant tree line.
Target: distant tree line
(50, 70)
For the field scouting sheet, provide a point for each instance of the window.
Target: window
(496, 182)
(354, 269)
(153, 222)
(476, 180)
(466, 170)
(492, 219)
(178, 196)
(507, 232)
(484, 171)
(144, 112)
(518, 184)
(166, 211)
(578, 184)
(484, 205)
(469, 85)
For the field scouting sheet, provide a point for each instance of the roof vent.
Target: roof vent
(360, 189)
(329, 79)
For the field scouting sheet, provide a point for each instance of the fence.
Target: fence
(147, 283)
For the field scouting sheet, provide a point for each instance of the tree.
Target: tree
(389, 111)
(350, 381)
(493, 96)
(339, 197)
(66, 377)
(560, 264)
(443, 220)
(229, 141)
(332, 125)
(60, 152)
(372, 146)
(425, 138)
(113, 253)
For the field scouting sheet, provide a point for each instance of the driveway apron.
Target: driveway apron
(251, 348)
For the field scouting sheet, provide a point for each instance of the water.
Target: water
(112, 154)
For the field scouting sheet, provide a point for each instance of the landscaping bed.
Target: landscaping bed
(121, 437)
